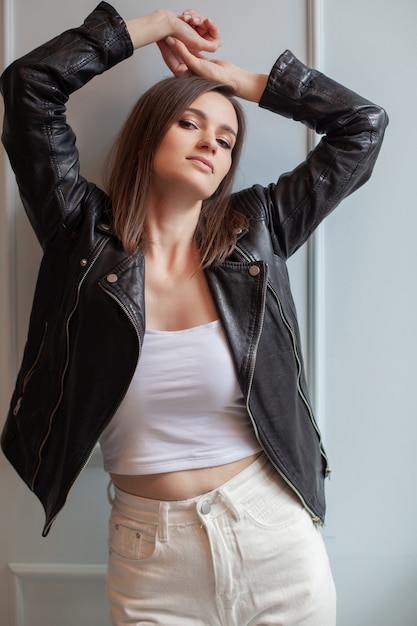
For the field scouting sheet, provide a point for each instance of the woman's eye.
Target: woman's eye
(188, 124)
(224, 144)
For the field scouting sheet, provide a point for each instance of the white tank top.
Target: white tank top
(183, 409)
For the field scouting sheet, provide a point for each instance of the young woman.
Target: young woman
(163, 323)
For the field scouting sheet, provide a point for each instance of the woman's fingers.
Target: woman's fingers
(206, 28)
(173, 61)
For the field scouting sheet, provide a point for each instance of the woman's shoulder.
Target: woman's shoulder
(251, 201)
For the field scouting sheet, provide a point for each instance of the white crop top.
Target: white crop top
(183, 409)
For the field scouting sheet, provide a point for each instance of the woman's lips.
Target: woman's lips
(206, 163)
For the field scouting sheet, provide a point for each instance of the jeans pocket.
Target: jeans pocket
(276, 507)
(131, 541)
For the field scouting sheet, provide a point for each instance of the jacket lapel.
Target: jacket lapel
(239, 292)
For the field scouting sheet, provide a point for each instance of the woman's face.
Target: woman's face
(196, 152)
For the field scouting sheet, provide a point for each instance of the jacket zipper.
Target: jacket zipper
(131, 319)
(30, 372)
(315, 518)
(64, 371)
(300, 391)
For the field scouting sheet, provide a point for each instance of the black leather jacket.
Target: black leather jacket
(88, 319)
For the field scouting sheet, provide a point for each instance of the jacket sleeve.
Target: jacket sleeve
(40, 144)
(342, 161)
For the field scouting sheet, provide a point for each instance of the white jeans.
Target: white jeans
(246, 554)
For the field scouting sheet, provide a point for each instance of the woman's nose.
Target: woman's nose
(209, 143)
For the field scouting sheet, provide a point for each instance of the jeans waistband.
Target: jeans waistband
(213, 503)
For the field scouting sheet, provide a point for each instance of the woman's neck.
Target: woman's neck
(170, 233)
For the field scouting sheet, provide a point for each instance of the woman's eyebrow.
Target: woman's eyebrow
(204, 116)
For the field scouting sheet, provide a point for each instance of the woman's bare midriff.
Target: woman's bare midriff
(181, 485)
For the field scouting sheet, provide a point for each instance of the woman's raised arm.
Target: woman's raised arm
(40, 144)
(352, 130)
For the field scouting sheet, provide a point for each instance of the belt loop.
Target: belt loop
(163, 521)
(225, 496)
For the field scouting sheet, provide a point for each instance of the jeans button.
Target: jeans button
(205, 507)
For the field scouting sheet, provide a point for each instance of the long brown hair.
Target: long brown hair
(131, 161)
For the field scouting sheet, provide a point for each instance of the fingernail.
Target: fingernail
(170, 41)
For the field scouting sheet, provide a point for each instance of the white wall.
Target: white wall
(371, 331)
(361, 310)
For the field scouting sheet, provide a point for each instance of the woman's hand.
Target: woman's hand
(196, 32)
(204, 27)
